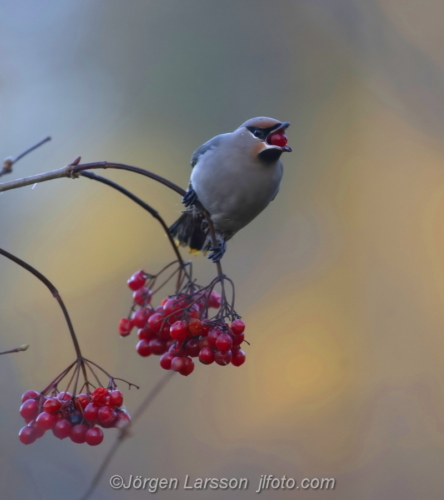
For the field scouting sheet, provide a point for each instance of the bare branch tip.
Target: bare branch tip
(76, 161)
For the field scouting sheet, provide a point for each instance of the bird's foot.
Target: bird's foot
(218, 251)
(190, 198)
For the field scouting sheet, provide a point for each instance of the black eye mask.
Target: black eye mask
(262, 133)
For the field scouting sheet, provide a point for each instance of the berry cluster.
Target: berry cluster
(76, 417)
(180, 329)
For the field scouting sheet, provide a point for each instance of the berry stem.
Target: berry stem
(59, 377)
(111, 378)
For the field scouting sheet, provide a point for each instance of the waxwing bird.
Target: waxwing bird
(234, 177)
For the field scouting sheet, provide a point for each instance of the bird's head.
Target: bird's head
(265, 137)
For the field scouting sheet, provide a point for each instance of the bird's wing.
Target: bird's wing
(211, 144)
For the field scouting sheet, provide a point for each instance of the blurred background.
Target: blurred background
(340, 281)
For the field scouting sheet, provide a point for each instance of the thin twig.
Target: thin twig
(9, 162)
(21, 348)
(124, 433)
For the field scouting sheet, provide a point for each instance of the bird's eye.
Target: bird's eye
(257, 132)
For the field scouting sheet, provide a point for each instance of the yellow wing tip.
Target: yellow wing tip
(193, 251)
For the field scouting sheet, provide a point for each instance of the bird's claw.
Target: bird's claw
(218, 251)
(190, 198)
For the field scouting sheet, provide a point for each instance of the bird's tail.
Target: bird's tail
(189, 230)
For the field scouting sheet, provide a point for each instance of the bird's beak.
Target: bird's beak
(282, 127)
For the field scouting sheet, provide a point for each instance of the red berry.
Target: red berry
(94, 436)
(51, 405)
(140, 317)
(238, 339)
(206, 355)
(175, 346)
(64, 396)
(29, 409)
(206, 327)
(62, 414)
(45, 421)
(194, 312)
(179, 330)
(277, 139)
(222, 358)
(238, 326)
(164, 332)
(99, 395)
(203, 342)
(172, 306)
(29, 395)
(215, 300)
(62, 429)
(177, 364)
(90, 411)
(238, 358)
(82, 400)
(78, 433)
(143, 348)
(123, 419)
(157, 346)
(213, 336)
(125, 327)
(137, 280)
(27, 435)
(224, 342)
(155, 322)
(106, 415)
(170, 343)
(195, 327)
(165, 360)
(187, 366)
(145, 333)
(115, 399)
(39, 431)
(142, 296)
(193, 348)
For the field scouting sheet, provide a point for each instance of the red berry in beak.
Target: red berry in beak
(277, 139)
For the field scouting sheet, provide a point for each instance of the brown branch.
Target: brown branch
(73, 170)
(9, 162)
(124, 433)
(21, 348)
